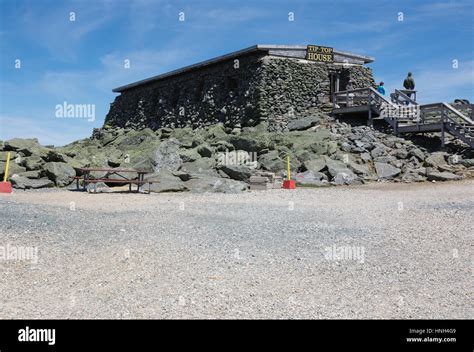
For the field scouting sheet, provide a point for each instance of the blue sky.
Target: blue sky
(81, 61)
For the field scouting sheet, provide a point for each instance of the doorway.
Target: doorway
(333, 83)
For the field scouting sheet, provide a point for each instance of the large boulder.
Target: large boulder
(378, 151)
(61, 173)
(33, 162)
(386, 171)
(13, 168)
(3, 155)
(336, 166)
(365, 157)
(410, 177)
(344, 178)
(315, 164)
(271, 161)
(303, 123)
(310, 178)
(222, 146)
(417, 153)
(324, 147)
(21, 144)
(22, 182)
(401, 153)
(250, 143)
(316, 142)
(237, 172)
(205, 150)
(436, 159)
(443, 176)
(216, 185)
(189, 155)
(132, 149)
(132, 139)
(215, 132)
(202, 166)
(276, 161)
(467, 162)
(165, 183)
(54, 155)
(359, 169)
(167, 156)
(32, 174)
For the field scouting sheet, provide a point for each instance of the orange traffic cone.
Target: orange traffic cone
(6, 187)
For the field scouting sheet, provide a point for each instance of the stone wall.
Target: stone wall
(293, 88)
(260, 88)
(222, 92)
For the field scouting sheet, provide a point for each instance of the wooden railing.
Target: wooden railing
(443, 112)
(399, 97)
(440, 116)
(359, 97)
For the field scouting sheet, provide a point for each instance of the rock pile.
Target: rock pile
(218, 159)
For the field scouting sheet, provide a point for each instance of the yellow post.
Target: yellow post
(288, 165)
(5, 177)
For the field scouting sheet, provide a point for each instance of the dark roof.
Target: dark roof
(295, 51)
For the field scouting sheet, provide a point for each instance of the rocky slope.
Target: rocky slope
(322, 153)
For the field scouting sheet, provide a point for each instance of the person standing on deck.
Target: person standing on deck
(409, 83)
(381, 88)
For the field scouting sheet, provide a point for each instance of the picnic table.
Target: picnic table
(121, 178)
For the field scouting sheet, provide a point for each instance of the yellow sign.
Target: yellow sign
(319, 53)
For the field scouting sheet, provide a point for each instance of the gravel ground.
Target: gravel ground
(274, 254)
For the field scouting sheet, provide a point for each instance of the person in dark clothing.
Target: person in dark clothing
(409, 83)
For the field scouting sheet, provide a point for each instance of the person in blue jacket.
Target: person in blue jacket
(381, 88)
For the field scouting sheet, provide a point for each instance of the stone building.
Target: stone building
(272, 83)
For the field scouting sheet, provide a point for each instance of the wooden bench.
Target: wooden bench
(107, 180)
(86, 177)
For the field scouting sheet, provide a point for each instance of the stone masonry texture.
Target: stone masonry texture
(237, 92)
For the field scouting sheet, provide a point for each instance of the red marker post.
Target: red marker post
(289, 183)
(6, 187)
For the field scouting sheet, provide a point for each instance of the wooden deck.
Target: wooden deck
(436, 117)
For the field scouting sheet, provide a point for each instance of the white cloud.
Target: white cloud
(53, 29)
(446, 8)
(143, 64)
(79, 87)
(446, 84)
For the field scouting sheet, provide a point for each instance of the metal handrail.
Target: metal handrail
(368, 89)
(351, 90)
(450, 108)
(380, 96)
(458, 113)
(404, 96)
